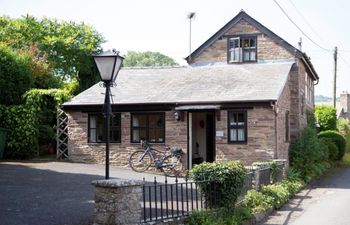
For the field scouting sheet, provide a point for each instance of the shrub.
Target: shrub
(218, 217)
(307, 154)
(337, 139)
(326, 117)
(333, 151)
(293, 186)
(226, 180)
(257, 202)
(16, 76)
(278, 192)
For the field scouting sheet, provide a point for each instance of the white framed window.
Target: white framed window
(309, 89)
(242, 49)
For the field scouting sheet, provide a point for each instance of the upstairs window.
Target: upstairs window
(309, 89)
(242, 49)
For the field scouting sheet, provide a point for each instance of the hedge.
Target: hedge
(338, 140)
(220, 182)
(23, 122)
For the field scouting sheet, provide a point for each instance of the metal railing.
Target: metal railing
(176, 198)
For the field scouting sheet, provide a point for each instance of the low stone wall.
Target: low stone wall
(117, 202)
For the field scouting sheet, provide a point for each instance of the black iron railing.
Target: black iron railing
(176, 198)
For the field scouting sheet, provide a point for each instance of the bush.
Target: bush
(337, 139)
(278, 192)
(333, 151)
(16, 76)
(257, 202)
(293, 186)
(219, 217)
(226, 180)
(307, 155)
(326, 117)
(23, 122)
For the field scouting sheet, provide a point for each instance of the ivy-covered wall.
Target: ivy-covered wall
(23, 121)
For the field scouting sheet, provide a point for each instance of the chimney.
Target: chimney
(345, 101)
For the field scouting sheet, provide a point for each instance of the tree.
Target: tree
(326, 117)
(147, 59)
(16, 76)
(67, 46)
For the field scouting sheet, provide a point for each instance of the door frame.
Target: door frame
(189, 134)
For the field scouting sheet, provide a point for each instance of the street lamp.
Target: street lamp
(108, 64)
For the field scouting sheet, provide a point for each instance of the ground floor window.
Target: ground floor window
(97, 128)
(148, 126)
(237, 126)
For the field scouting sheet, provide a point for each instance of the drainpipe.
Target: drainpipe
(275, 110)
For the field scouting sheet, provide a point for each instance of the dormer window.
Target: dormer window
(242, 49)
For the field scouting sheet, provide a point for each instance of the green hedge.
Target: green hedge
(23, 122)
(326, 117)
(223, 182)
(338, 139)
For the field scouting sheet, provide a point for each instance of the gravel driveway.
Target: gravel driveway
(50, 193)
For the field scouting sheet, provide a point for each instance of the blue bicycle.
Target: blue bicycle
(169, 162)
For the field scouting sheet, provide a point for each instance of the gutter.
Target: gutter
(275, 110)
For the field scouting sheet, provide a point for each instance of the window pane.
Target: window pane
(138, 134)
(252, 43)
(139, 120)
(233, 134)
(240, 118)
(115, 135)
(115, 121)
(252, 56)
(92, 121)
(246, 43)
(233, 118)
(156, 121)
(246, 56)
(156, 135)
(241, 136)
(92, 135)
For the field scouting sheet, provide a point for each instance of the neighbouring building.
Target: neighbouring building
(343, 106)
(244, 96)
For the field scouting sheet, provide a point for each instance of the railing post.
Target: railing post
(117, 201)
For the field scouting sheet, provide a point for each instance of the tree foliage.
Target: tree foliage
(326, 116)
(16, 76)
(147, 59)
(66, 46)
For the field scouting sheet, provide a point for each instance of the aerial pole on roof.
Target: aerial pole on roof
(190, 16)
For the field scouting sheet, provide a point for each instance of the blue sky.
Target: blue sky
(161, 25)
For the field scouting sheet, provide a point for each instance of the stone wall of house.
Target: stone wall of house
(283, 134)
(261, 137)
(82, 151)
(267, 49)
(298, 103)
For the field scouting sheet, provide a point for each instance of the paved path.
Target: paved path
(52, 193)
(327, 203)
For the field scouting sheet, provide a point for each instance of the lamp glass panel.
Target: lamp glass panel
(105, 67)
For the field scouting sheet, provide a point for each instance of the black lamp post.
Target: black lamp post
(108, 64)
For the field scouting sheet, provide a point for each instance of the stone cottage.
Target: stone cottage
(244, 96)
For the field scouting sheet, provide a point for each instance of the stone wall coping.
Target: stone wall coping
(111, 183)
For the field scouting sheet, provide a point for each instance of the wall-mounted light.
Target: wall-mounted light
(177, 115)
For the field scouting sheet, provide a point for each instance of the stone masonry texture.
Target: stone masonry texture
(117, 202)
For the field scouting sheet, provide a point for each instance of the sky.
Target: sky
(162, 26)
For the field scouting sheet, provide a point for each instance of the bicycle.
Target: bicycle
(168, 162)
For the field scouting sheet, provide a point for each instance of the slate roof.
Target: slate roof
(186, 85)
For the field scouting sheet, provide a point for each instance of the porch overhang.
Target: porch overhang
(197, 107)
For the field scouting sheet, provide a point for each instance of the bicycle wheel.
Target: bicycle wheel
(172, 166)
(140, 161)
